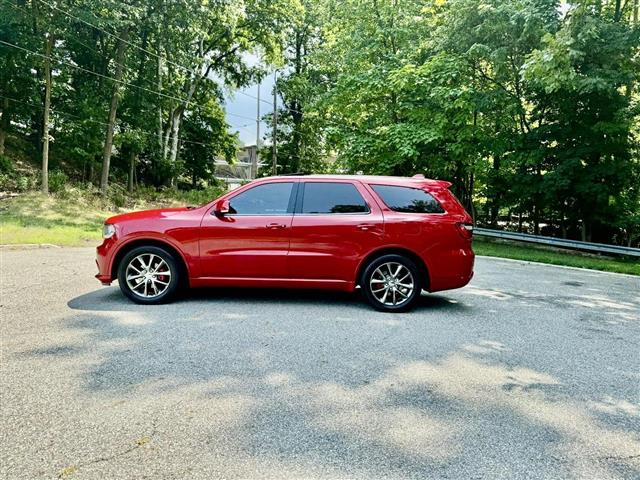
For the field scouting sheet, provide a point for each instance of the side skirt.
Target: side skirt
(272, 283)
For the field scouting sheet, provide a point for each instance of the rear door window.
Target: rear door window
(407, 199)
(327, 197)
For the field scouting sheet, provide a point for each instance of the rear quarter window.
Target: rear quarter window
(407, 199)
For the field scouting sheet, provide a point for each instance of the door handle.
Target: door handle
(276, 225)
(366, 227)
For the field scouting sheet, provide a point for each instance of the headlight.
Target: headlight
(108, 231)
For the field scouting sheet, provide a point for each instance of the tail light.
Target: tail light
(465, 230)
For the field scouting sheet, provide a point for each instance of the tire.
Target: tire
(394, 275)
(162, 278)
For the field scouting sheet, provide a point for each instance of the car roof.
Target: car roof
(416, 181)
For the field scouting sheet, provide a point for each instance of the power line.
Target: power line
(79, 42)
(78, 67)
(149, 52)
(98, 122)
(148, 134)
(123, 66)
(120, 39)
(182, 67)
(142, 49)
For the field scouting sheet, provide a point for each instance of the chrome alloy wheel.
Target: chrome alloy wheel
(148, 275)
(392, 284)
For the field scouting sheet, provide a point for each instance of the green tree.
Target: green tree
(579, 75)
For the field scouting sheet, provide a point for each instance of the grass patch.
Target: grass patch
(75, 216)
(540, 254)
(35, 218)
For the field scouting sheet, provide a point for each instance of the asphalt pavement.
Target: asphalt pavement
(531, 371)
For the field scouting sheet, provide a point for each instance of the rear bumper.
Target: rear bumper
(454, 270)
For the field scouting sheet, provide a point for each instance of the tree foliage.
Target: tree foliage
(130, 78)
(529, 107)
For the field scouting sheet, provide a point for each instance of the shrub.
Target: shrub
(200, 197)
(57, 181)
(5, 181)
(6, 165)
(117, 195)
(24, 183)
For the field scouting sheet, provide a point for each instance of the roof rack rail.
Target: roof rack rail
(297, 174)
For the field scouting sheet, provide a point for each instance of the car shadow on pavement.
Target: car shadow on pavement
(111, 299)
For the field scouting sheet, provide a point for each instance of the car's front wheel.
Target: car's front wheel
(391, 283)
(149, 275)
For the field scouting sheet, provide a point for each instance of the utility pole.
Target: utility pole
(254, 163)
(275, 123)
(258, 119)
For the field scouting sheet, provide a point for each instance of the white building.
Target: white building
(242, 171)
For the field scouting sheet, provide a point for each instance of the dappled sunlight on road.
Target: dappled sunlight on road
(615, 406)
(482, 292)
(473, 383)
(601, 301)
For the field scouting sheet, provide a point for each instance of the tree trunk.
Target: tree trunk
(472, 210)
(132, 170)
(167, 136)
(536, 203)
(173, 155)
(634, 21)
(563, 223)
(494, 210)
(4, 124)
(617, 15)
(519, 222)
(108, 142)
(45, 117)
(160, 115)
(177, 120)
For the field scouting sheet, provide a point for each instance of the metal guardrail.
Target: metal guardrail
(559, 242)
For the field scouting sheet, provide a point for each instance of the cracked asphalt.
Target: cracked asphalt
(531, 371)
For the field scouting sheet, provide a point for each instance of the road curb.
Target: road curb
(579, 269)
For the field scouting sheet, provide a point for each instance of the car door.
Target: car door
(335, 224)
(252, 239)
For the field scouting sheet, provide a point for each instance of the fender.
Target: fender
(190, 261)
(391, 248)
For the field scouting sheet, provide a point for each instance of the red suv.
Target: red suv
(393, 237)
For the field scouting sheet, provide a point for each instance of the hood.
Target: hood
(147, 214)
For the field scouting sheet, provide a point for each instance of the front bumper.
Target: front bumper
(104, 258)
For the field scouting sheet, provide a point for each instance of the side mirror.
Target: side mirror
(222, 208)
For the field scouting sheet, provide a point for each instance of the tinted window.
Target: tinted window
(322, 197)
(405, 199)
(268, 199)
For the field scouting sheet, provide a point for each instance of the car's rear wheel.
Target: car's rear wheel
(149, 275)
(391, 283)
